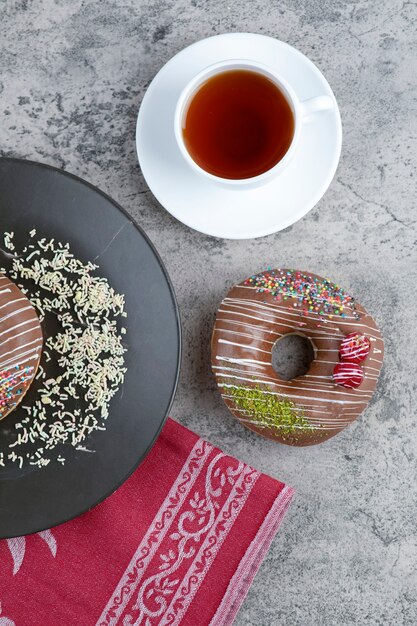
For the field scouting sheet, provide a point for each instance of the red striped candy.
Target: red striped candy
(348, 375)
(354, 348)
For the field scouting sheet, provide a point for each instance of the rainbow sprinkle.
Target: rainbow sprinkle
(313, 294)
(9, 380)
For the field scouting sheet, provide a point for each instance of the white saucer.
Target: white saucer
(205, 205)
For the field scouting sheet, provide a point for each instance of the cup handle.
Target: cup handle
(313, 105)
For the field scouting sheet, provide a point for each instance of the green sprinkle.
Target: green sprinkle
(268, 410)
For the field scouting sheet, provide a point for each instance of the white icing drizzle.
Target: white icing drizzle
(232, 343)
(12, 328)
(24, 332)
(13, 313)
(10, 302)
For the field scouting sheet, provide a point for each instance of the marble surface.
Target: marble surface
(73, 75)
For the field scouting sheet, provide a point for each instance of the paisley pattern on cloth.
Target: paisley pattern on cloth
(178, 544)
(17, 547)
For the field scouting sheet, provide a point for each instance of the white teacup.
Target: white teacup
(302, 111)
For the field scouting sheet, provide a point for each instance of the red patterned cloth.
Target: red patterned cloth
(179, 543)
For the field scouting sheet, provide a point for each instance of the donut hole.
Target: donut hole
(292, 356)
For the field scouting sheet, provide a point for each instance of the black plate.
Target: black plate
(63, 206)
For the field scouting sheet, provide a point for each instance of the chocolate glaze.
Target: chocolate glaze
(248, 324)
(20, 345)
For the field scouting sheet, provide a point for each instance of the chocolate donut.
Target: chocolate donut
(20, 345)
(316, 406)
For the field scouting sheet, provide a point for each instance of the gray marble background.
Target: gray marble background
(73, 73)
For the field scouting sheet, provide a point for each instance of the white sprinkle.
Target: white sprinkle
(87, 347)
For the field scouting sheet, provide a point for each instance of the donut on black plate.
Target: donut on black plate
(20, 345)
